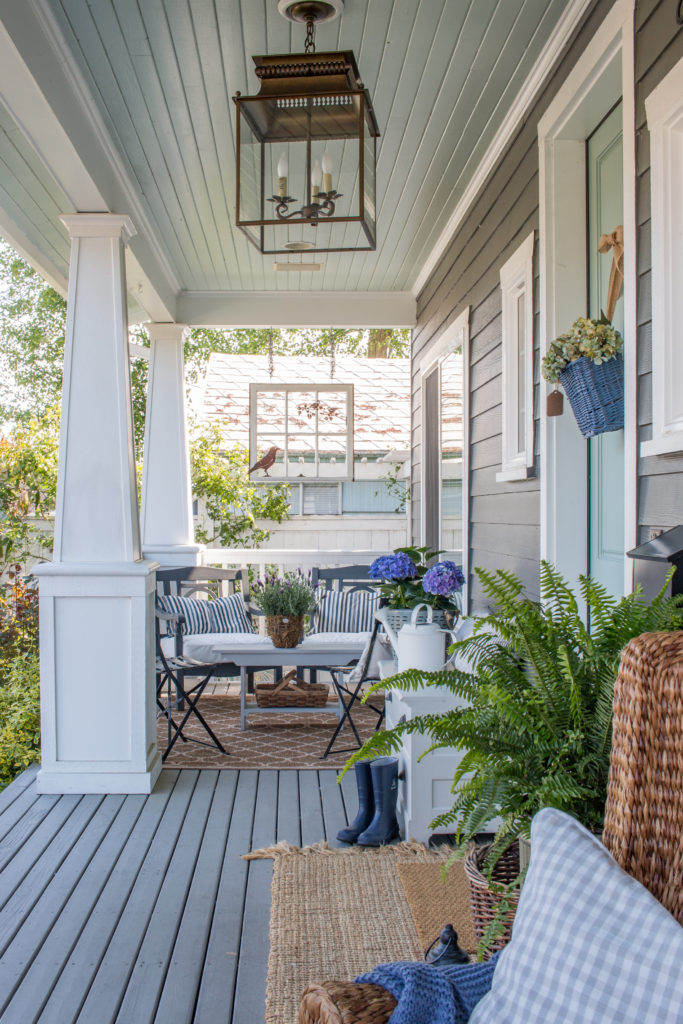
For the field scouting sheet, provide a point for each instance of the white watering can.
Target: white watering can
(417, 646)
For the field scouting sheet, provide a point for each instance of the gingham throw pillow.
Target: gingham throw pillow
(350, 611)
(220, 615)
(590, 945)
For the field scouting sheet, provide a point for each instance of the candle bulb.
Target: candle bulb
(316, 178)
(327, 171)
(282, 175)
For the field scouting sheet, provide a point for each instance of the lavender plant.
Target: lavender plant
(291, 594)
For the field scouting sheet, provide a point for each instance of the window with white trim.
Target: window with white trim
(664, 108)
(516, 282)
(301, 433)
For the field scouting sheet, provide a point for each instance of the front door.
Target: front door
(606, 451)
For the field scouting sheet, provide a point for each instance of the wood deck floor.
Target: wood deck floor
(140, 909)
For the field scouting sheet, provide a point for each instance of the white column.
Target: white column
(166, 517)
(98, 709)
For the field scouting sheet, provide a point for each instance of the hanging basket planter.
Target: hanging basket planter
(596, 394)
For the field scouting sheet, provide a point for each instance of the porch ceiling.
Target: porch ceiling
(124, 105)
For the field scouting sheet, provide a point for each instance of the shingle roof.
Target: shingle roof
(381, 394)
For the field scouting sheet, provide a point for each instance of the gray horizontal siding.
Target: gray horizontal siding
(504, 518)
(660, 485)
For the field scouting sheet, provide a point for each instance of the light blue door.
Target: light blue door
(605, 452)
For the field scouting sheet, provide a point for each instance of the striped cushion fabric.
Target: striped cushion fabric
(351, 611)
(195, 612)
(228, 615)
(221, 615)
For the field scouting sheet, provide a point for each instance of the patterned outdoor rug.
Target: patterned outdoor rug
(269, 741)
(337, 913)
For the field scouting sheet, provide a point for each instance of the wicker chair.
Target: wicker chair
(643, 814)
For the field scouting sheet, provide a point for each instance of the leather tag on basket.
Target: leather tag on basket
(554, 403)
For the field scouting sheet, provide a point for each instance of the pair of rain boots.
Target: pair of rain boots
(375, 824)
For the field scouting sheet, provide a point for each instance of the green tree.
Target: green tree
(233, 503)
(28, 487)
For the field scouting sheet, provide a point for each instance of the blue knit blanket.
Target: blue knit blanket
(433, 995)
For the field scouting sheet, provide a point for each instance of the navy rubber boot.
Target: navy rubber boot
(366, 804)
(384, 826)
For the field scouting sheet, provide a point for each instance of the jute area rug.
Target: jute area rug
(269, 741)
(338, 913)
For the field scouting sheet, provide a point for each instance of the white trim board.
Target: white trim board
(567, 24)
(664, 107)
(456, 335)
(297, 309)
(602, 75)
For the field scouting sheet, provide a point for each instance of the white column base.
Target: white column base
(170, 555)
(97, 675)
(93, 779)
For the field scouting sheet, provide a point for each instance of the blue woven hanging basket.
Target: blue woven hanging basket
(596, 394)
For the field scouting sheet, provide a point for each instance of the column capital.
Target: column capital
(167, 331)
(98, 225)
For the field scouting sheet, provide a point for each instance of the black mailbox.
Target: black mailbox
(655, 558)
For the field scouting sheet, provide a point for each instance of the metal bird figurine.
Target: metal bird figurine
(267, 461)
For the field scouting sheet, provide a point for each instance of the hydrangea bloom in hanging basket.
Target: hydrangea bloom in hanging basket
(588, 363)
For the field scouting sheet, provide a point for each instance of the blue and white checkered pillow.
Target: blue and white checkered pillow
(345, 611)
(220, 615)
(590, 945)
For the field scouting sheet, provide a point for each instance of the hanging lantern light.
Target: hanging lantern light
(306, 148)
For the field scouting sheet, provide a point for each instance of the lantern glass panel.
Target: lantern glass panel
(322, 130)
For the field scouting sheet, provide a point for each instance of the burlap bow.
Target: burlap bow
(614, 241)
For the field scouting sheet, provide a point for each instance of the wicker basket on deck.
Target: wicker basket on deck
(484, 901)
(294, 694)
(345, 1002)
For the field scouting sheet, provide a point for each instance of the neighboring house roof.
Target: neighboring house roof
(381, 394)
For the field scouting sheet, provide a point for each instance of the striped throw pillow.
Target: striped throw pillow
(221, 615)
(350, 611)
(228, 615)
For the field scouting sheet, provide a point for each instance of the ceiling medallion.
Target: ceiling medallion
(311, 131)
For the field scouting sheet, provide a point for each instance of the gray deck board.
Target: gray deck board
(312, 823)
(75, 979)
(217, 989)
(16, 788)
(334, 813)
(252, 968)
(45, 966)
(141, 909)
(36, 905)
(111, 982)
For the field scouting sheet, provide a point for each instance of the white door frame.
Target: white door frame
(456, 336)
(603, 75)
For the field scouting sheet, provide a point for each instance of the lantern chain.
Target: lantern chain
(310, 36)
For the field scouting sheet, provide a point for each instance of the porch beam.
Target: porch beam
(98, 719)
(297, 309)
(166, 517)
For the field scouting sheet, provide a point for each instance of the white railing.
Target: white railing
(284, 558)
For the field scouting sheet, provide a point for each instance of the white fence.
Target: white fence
(283, 559)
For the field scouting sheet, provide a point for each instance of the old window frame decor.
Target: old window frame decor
(516, 283)
(262, 435)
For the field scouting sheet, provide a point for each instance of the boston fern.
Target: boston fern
(537, 722)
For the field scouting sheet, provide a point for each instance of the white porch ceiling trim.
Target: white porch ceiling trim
(19, 241)
(31, 93)
(292, 309)
(562, 32)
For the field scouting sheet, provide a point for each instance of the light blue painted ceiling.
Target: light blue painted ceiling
(160, 75)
